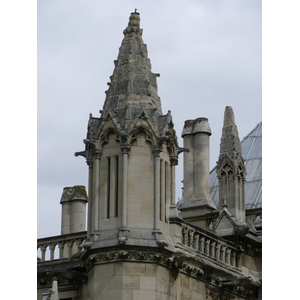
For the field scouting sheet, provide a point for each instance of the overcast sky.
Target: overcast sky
(208, 53)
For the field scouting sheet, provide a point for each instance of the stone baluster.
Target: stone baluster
(69, 247)
(184, 236)
(207, 243)
(233, 258)
(196, 239)
(202, 244)
(223, 252)
(212, 249)
(239, 260)
(76, 244)
(52, 247)
(61, 249)
(191, 238)
(218, 248)
(43, 249)
(228, 254)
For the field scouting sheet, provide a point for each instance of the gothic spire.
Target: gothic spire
(231, 169)
(230, 137)
(132, 82)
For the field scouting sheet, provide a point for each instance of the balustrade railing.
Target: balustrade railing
(59, 247)
(211, 246)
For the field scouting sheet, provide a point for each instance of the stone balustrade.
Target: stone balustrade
(211, 246)
(59, 247)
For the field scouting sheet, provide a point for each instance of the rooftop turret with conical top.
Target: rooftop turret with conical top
(131, 151)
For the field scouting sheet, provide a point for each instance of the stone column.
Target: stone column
(173, 211)
(220, 192)
(125, 149)
(156, 153)
(90, 197)
(174, 162)
(96, 188)
(168, 191)
(162, 190)
(243, 210)
(112, 185)
(237, 208)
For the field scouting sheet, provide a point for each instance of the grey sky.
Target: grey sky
(207, 52)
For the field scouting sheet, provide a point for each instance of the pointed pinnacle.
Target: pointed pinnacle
(228, 116)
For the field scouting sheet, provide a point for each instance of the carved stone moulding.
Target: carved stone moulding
(123, 255)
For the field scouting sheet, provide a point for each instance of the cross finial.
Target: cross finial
(135, 10)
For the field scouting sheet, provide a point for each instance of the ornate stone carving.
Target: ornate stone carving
(129, 255)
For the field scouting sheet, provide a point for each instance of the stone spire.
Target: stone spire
(132, 83)
(231, 169)
(230, 137)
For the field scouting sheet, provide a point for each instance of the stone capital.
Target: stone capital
(156, 151)
(125, 148)
(97, 153)
(174, 160)
(89, 162)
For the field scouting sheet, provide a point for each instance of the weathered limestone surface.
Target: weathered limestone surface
(196, 199)
(231, 170)
(73, 201)
(134, 281)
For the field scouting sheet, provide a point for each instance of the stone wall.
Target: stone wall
(136, 280)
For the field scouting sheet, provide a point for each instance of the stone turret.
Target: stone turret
(131, 150)
(231, 169)
(196, 199)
